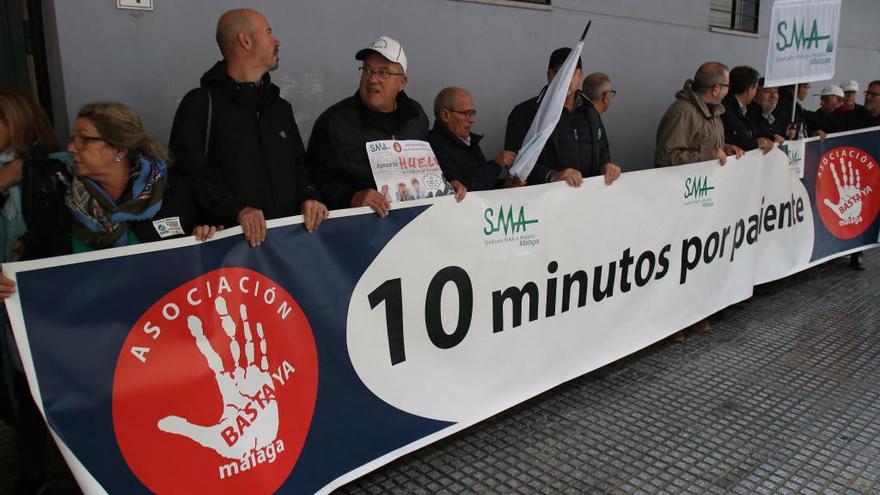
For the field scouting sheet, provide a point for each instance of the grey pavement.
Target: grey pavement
(781, 396)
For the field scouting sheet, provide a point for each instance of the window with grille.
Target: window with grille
(738, 15)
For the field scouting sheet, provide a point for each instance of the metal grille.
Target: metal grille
(740, 15)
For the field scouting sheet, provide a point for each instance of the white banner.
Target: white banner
(408, 328)
(688, 241)
(803, 41)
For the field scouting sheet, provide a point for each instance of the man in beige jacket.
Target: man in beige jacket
(691, 130)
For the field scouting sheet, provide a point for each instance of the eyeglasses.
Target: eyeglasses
(871, 94)
(80, 142)
(382, 73)
(466, 113)
(613, 92)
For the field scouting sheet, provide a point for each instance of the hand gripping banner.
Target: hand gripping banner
(185, 367)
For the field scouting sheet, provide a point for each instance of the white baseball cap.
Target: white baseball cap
(849, 85)
(831, 91)
(388, 48)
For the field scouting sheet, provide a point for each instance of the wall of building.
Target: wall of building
(648, 47)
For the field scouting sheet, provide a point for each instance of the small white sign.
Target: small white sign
(167, 227)
(135, 4)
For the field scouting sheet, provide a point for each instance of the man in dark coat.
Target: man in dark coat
(458, 149)
(739, 126)
(380, 110)
(572, 151)
(236, 139)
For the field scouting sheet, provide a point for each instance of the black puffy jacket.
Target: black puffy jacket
(337, 154)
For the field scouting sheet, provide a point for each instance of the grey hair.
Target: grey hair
(596, 85)
(445, 99)
(709, 75)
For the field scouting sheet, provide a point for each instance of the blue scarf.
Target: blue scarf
(98, 220)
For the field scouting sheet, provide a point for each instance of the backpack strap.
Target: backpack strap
(209, 121)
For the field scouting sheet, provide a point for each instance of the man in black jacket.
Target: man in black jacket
(572, 151)
(380, 110)
(739, 126)
(763, 113)
(458, 149)
(236, 139)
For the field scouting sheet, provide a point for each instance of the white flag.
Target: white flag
(803, 41)
(547, 117)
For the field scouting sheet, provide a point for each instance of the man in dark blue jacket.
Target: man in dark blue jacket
(458, 149)
(573, 150)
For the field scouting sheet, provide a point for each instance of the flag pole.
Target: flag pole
(589, 23)
(794, 109)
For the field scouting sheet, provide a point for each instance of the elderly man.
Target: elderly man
(379, 110)
(862, 117)
(824, 118)
(599, 91)
(236, 140)
(569, 153)
(458, 149)
(739, 126)
(850, 93)
(691, 129)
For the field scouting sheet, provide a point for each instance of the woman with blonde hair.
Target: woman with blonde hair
(112, 191)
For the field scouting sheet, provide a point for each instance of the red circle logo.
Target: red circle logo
(215, 387)
(846, 191)
(397, 147)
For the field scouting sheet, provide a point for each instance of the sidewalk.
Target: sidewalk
(782, 396)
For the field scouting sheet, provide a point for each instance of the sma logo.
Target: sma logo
(798, 38)
(697, 187)
(499, 220)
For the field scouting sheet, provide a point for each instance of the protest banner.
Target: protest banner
(803, 41)
(406, 170)
(183, 367)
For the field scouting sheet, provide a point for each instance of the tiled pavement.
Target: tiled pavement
(782, 396)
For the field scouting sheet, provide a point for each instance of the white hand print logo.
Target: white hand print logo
(849, 203)
(250, 410)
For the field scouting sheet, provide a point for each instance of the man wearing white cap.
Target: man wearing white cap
(850, 91)
(824, 118)
(337, 154)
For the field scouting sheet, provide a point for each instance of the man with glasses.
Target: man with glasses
(598, 89)
(380, 110)
(570, 152)
(236, 140)
(458, 149)
(868, 115)
(763, 112)
(691, 130)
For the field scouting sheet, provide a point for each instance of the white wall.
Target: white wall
(648, 47)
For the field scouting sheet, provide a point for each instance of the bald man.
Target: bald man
(458, 149)
(691, 129)
(235, 138)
